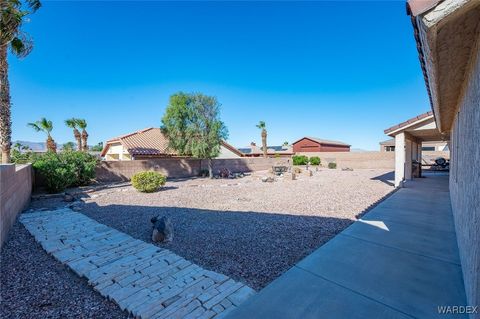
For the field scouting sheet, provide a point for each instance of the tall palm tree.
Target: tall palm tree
(261, 125)
(13, 14)
(72, 123)
(81, 123)
(45, 126)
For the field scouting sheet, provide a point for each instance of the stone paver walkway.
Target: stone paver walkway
(143, 279)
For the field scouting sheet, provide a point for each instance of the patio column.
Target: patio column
(399, 159)
(408, 158)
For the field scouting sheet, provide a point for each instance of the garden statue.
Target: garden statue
(162, 229)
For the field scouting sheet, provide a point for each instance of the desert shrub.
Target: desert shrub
(56, 173)
(332, 165)
(82, 164)
(18, 157)
(300, 160)
(148, 181)
(315, 160)
(65, 169)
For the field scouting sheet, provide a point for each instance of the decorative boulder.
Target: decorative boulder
(267, 179)
(68, 198)
(162, 229)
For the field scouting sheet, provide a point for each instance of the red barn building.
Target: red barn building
(313, 144)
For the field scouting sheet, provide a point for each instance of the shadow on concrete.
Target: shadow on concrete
(387, 178)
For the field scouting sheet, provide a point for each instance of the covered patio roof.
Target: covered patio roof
(419, 128)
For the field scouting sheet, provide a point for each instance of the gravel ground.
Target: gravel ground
(244, 228)
(35, 285)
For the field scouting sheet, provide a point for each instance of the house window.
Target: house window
(428, 148)
(389, 148)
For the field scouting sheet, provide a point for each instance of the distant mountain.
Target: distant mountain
(36, 146)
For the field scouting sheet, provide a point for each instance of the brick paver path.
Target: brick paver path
(143, 279)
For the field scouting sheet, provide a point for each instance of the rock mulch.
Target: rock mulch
(35, 285)
(244, 228)
(143, 279)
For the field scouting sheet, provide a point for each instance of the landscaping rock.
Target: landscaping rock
(267, 179)
(347, 169)
(162, 230)
(68, 198)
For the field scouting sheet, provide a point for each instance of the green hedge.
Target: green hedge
(315, 160)
(299, 160)
(65, 169)
(148, 181)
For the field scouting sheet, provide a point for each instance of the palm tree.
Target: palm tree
(261, 125)
(72, 123)
(81, 123)
(13, 15)
(45, 126)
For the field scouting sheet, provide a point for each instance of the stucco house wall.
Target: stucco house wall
(116, 152)
(465, 180)
(226, 153)
(308, 145)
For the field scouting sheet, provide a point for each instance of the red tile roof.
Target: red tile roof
(407, 122)
(416, 7)
(150, 142)
(323, 141)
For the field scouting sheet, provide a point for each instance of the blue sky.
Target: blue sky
(333, 70)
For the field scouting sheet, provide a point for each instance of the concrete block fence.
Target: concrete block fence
(15, 191)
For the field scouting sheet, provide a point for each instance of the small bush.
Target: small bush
(300, 160)
(332, 165)
(315, 160)
(65, 169)
(148, 181)
(203, 172)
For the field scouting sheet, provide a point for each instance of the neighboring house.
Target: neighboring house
(313, 144)
(254, 151)
(448, 43)
(149, 143)
(389, 146)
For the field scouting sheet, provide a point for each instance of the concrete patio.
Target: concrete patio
(400, 261)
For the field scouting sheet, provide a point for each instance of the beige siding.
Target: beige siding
(465, 182)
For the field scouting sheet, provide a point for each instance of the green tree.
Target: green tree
(69, 146)
(261, 125)
(193, 127)
(82, 124)
(45, 126)
(13, 14)
(72, 123)
(97, 148)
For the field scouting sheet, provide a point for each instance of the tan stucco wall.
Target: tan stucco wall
(116, 152)
(465, 181)
(112, 171)
(356, 159)
(226, 153)
(15, 191)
